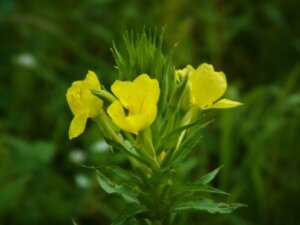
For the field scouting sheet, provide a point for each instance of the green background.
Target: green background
(45, 45)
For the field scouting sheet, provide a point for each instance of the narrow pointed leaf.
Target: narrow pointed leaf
(128, 211)
(189, 142)
(130, 152)
(196, 189)
(207, 205)
(131, 180)
(210, 176)
(169, 138)
(110, 187)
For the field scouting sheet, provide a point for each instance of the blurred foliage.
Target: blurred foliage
(45, 45)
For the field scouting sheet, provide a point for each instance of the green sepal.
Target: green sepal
(104, 95)
(128, 212)
(180, 99)
(145, 146)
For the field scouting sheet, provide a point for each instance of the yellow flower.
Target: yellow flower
(83, 103)
(207, 86)
(139, 98)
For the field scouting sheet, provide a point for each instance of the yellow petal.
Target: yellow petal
(140, 98)
(124, 91)
(73, 99)
(138, 95)
(92, 80)
(225, 103)
(207, 85)
(140, 122)
(149, 89)
(80, 97)
(117, 114)
(77, 125)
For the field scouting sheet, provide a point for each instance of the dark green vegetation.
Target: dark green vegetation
(45, 45)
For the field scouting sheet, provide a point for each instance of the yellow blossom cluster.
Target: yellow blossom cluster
(135, 104)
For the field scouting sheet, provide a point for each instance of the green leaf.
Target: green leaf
(120, 61)
(125, 175)
(128, 211)
(196, 188)
(190, 140)
(130, 151)
(180, 95)
(132, 181)
(144, 140)
(173, 135)
(207, 205)
(110, 187)
(210, 176)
